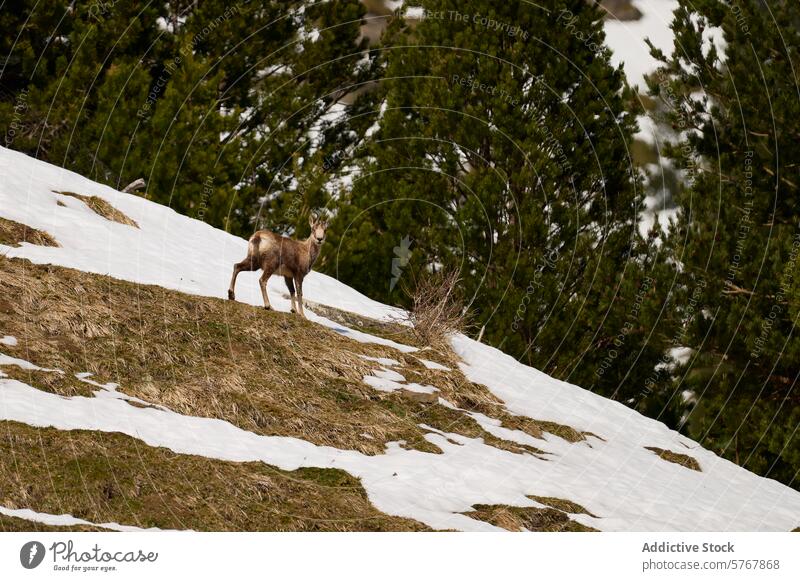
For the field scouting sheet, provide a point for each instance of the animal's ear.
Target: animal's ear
(312, 218)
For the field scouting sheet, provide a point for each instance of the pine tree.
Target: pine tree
(64, 87)
(305, 125)
(212, 103)
(737, 241)
(27, 31)
(503, 152)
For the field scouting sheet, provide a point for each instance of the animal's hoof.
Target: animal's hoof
(267, 308)
(231, 296)
(293, 311)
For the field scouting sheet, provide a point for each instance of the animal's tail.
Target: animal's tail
(252, 244)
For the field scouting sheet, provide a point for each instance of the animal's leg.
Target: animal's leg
(299, 284)
(243, 266)
(290, 286)
(263, 284)
(236, 271)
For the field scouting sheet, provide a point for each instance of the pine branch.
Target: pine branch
(734, 289)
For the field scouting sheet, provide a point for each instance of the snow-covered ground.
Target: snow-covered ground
(67, 520)
(165, 250)
(612, 475)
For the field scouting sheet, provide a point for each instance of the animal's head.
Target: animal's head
(318, 228)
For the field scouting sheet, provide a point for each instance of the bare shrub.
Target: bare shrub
(437, 309)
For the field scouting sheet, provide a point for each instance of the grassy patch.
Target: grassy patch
(102, 208)
(270, 373)
(267, 372)
(561, 504)
(61, 383)
(452, 421)
(452, 385)
(102, 477)
(649, 103)
(386, 330)
(14, 234)
(675, 458)
(518, 518)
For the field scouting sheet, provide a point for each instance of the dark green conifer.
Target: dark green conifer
(738, 241)
(503, 151)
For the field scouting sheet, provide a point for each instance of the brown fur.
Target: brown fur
(275, 254)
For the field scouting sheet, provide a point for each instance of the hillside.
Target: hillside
(133, 396)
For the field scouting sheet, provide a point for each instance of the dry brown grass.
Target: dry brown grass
(270, 373)
(561, 504)
(453, 385)
(437, 310)
(102, 208)
(14, 234)
(377, 7)
(675, 458)
(267, 372)
(458, 390)
(395, 331)
(60, 383)
(102, 477)
(519, 518)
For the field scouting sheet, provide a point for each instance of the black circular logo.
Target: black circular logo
(31, 555)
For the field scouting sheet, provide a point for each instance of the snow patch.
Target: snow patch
(626, 38)
(433, 365)
(26, 365)
(67, 520)
(389, 380)
(110, 390)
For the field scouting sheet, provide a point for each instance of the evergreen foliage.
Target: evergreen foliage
(211, 102)
(738, 240)
(503, 152)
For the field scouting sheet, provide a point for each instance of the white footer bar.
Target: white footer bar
(388, 556)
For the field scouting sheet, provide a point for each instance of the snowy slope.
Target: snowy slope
(624, 485)
(189, 256)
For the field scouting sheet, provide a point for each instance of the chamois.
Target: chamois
(275, 254)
